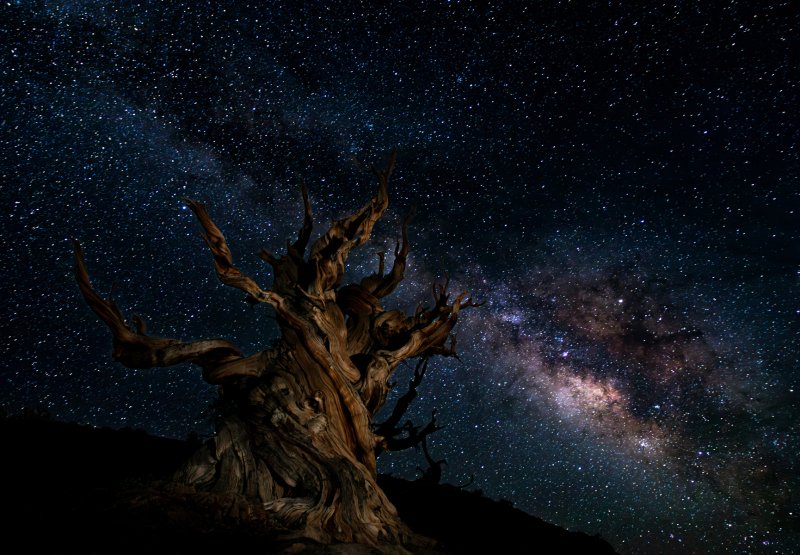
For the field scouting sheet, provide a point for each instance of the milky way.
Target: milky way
(617, 183)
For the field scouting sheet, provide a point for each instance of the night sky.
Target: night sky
(618, 181)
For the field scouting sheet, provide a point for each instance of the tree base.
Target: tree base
(290, 477)
(176, 510)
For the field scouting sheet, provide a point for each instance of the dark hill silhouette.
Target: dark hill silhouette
(76, 489)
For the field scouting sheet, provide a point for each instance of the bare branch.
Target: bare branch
(432, 474)
(223, 260)
(137, 350)
(414, 435)
(329, 253)
(381, 262)
(308, 223)
(389, 427)
(432, 329)
(390, 282)
(423, 334)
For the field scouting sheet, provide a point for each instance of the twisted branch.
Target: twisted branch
(227, 272)
(137, 350)
(329, 253)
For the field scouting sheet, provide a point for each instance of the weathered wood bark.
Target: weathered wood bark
(299, 446)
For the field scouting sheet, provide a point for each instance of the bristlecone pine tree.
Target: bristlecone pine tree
(298, 448)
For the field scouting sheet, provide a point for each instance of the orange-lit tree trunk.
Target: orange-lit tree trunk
(298, 447)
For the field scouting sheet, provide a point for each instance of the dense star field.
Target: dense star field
(618, 182)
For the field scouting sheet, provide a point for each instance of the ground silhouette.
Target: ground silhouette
(78, 489)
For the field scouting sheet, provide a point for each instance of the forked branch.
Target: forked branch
(382, 285)
(390, 426)
(429, 330)
(410, 436)
(432, 474)
(329, 253)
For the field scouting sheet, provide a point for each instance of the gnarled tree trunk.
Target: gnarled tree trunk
(298, 447)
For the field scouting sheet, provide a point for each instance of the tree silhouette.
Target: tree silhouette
(298, 447)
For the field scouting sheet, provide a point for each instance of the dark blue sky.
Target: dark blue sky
(618, 181)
